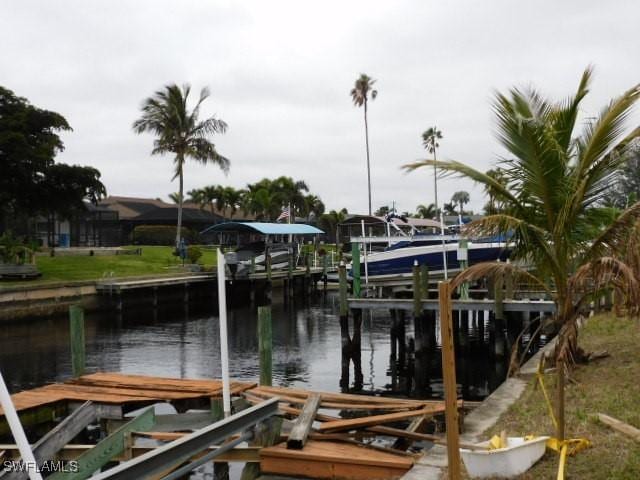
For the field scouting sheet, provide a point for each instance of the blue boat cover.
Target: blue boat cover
(264, 228)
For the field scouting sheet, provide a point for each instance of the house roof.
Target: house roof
(170, 214)
(265, 228)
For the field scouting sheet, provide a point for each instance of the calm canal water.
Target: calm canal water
(174, 342)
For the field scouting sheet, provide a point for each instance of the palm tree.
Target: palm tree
(553, 187)
(461, 198)
(313, 206)
(555, 183)
(430, 142)
(329, 222)
(233, 200)
(429, 211)
(494, 205)
(179, 131)
(175, 197)
(360, 96)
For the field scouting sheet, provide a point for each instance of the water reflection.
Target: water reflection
(307, 348)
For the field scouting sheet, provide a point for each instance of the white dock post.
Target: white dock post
(18, 433)
(224, 344)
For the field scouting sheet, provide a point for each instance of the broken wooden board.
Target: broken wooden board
(368, 421)
(303, 424)
(620, 426)
(333, 460)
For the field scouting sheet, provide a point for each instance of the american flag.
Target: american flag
(284, 214)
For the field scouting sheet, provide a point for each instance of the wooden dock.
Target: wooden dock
(116, 393)
(331, 446)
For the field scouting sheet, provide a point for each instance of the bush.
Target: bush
(161, 235)
(194, 254)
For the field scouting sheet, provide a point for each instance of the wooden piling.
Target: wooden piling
(417, 291)
(449, 380)
(265, 345)
(267, 266)
(355, 269)
(76, 334)
(342, 276)
(424, 280)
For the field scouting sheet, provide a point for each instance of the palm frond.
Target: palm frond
(615, 238)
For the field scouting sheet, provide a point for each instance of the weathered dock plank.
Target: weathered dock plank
(333, 460)
(431, 304)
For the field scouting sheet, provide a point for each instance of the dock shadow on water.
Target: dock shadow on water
(396, 354)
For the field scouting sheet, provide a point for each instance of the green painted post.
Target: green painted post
(265, 344)
(417, 290)
(355, 269)
(92, 460)
(76, 334)
(424, 280)
(342, 275)
(217, 409)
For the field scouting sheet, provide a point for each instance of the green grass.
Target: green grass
(610, 385)
(153, 261)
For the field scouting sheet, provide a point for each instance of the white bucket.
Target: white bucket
(516, 458)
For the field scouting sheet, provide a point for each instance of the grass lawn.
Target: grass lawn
(154, 260)
(610, 385)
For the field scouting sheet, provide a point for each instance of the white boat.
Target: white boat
(516, 458)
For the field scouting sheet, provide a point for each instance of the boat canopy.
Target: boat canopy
(265, 228)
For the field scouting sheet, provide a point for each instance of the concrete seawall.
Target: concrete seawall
(21, 302)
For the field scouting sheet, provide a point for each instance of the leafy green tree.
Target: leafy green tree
(430, 139)
(360, 93)
(554, 183)
(180, 132)
(31, 183)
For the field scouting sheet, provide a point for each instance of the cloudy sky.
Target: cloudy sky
(280, 75)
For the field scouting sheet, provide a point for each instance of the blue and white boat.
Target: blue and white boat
(397, 260)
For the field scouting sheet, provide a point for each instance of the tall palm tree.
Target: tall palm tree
(553, 186)
(430, 139)
(175, 197)
(360, 96)
(180, 132)
(460, 198)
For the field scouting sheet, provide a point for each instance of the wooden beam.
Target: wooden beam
(48, 446)
(449, 380)
(302, 426)
(620, 426)
(362, 422)
(92, 460)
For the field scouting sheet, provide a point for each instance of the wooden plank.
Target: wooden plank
(449, 380)
(302, 426)
(340, 405)
(338, 452)
(92, 460)
(343, 397)
(620, 426)
(361, 422)
(48, 446)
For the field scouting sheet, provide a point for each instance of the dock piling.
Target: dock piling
(265, 345)
(76, 336)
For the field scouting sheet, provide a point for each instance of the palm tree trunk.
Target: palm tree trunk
(435, 182)
(181, 179)
(366, 139)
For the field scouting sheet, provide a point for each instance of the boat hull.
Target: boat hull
(400, 262)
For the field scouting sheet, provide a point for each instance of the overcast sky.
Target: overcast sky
(280, 75)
